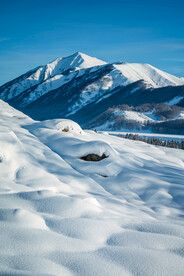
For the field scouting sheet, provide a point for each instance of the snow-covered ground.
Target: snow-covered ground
(60, 215)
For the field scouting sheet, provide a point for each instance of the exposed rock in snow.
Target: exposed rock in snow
(94, 157)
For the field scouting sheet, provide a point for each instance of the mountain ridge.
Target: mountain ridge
(66, 86)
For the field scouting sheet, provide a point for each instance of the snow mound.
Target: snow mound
(61, 125)
(69, 126)
(77, 146)
(81, 148)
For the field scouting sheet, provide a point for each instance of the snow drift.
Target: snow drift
(59, 215)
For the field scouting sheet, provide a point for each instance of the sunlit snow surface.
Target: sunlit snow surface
(61, 215)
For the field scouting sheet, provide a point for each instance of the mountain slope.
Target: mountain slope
(151, 75)
(68, 86)
(44, 74)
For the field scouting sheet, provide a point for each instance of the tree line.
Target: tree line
(154, 141)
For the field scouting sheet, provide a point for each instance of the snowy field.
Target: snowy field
(60, 215)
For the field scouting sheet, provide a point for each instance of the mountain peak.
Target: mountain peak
(57, 73)
(81, 60)
(76, 61)
(78, 54)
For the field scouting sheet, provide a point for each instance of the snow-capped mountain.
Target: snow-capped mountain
(81, 87)
(61, 215)
(52, 75)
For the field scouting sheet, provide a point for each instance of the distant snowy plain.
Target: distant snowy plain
(165, 137)
(60, 215)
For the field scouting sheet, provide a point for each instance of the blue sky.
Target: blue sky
(34, 32)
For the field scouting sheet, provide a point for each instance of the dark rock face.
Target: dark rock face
(94, 157)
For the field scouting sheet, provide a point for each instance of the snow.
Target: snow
(49, 85)
(20, 86)
(175, 100)
(112, 124)
(55, 82)
(77, 61)
(62, 70)
(180, 116)
(63, 125)
(154, 77)
(7, 111)
(127, 115)
(166, 137)
(133, 115)
(47, 75)
(60, 215)
(92, 92)
(123, 75)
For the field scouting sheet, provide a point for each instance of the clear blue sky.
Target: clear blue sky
(35, 32)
